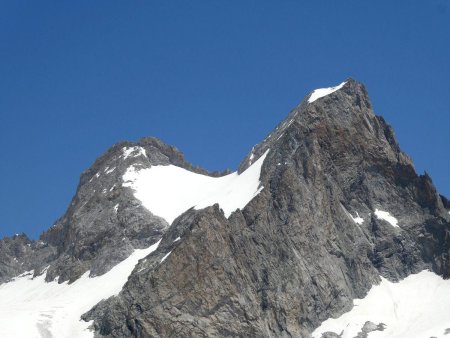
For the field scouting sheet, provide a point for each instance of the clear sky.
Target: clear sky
(211, 77)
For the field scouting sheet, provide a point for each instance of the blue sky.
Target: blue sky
(211, 77)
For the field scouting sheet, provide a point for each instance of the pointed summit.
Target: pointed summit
(350, 88)
(344, 107)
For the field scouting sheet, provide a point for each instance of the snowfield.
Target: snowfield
(31, 308)
(168, 191)
(417, 306)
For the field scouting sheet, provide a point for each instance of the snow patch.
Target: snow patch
(386, 216)
(252, 156)
(31, 307)
(26, 273)
(164, 258)
(358, 220)
(168, 191)
(109, 171)
(135, 151)
(318, 93)
(177, 239)
(417, 306)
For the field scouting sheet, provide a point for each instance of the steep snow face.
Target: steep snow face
(33, 308)
(168, 191)
(417, 306)
(318, 93)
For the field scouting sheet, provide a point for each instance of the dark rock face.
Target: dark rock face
(293, 256)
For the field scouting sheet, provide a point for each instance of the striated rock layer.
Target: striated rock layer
(341, 205)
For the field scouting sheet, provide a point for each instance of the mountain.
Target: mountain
(324, 230)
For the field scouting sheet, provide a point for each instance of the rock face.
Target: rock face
(341, 205)
(19, 254)
(319, 234)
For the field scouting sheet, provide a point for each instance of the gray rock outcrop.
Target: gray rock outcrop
(19, 254)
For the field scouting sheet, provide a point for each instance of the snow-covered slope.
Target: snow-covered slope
(30, 307)
(168, 191)
(417, 306)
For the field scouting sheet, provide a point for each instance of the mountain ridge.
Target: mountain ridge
(276, 266)
(381, 250)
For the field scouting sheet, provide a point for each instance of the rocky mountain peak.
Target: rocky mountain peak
(332, 207)
(104, 222)
(342, 115)
(341, 205)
